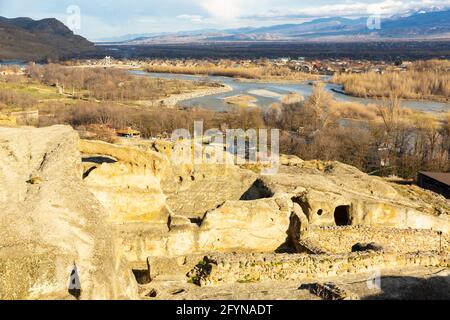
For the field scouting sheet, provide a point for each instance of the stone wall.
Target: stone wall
(229, 268)
(341, 239)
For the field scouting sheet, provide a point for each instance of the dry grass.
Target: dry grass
(258, 73)
(429, 80)
(292, 98)
(358, 111)
(353, 110)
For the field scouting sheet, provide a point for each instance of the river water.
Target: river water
(268, 93)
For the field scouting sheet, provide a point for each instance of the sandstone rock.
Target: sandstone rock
(336, 194)
(223, 207)
(48, 226)
(130, 187)
(166, 216)
(129, 194)
(289, 160)
(204, 187)
(257, 225)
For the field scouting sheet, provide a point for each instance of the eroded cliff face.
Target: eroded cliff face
(49, 220)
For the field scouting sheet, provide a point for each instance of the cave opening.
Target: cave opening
(342, 216)
(258, 190)
(142, 276)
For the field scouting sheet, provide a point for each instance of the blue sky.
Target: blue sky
(108, 18)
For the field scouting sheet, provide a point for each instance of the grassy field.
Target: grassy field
(35, 90)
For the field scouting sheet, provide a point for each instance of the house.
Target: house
(128, 133)
(438, 182)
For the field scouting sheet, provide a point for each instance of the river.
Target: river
(267, 93)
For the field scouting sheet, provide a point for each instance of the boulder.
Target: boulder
(255, 226)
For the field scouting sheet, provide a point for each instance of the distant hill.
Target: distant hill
(414, 25)
(419, 24)
(28, 39)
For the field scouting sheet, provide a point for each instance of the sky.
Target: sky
(98, 19)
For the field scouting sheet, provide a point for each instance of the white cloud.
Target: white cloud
(192, 18)
(352, 8)
(222, 9)
(232, 10)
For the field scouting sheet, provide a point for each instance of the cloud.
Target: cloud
(349, 9)
(233, 10)
(222, 9)
(192, 18)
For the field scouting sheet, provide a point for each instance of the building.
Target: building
(107, 61)
(128, 133)
(438, 182)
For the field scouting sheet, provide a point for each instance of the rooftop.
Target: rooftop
(442, 177)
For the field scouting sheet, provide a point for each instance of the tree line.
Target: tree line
(387, 139)
(106, 84)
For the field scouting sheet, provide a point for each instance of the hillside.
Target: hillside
(28, 39)
(415, 25)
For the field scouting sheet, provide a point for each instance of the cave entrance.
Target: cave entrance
(342, 216)
(258, 190)
(142, 276)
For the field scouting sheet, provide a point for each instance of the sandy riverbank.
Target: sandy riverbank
(173, 100)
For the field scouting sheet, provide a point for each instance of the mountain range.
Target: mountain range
(49, 39)
(419, 24)
(28, 39)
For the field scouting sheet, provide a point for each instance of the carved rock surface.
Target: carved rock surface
(45, 227)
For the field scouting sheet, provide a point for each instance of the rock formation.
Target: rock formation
(49, 221)
(129, 189)
(128, 206)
